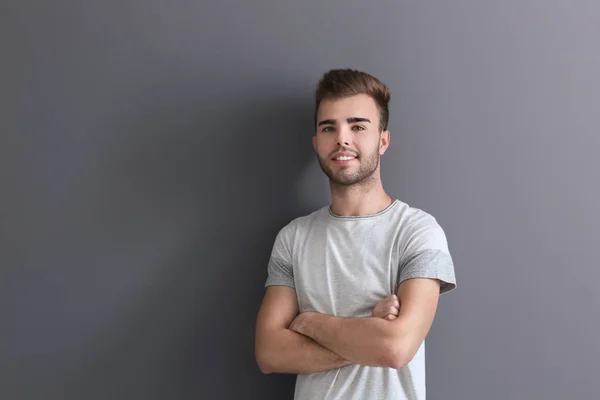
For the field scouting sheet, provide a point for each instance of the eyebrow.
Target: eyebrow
(351, 120)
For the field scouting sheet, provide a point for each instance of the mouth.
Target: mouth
(344, 159)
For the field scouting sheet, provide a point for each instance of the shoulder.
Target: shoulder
(419, 227)
(301, 223)
(419, 219)
(411, 217)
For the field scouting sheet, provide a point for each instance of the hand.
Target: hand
(387, 308)
(299, 323)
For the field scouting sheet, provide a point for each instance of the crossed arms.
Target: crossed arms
(288, 342)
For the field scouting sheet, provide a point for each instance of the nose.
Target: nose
(344, 136)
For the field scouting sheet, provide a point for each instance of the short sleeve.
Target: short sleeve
(426, 255)
(280, 271)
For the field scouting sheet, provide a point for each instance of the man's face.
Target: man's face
(347, 141)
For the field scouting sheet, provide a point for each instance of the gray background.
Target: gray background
(150, 151)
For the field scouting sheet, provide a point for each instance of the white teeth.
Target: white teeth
(344, 158)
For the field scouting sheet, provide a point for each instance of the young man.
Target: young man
(352, 288)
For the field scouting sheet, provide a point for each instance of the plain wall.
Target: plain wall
(150, 151)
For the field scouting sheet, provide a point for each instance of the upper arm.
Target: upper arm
(278, 309)
(418, 304)
(426, 271)
(426, 255)
(280, 304)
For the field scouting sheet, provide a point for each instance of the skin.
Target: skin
(356, 186)
(387, 308)
(292, 342)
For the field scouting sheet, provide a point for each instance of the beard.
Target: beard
(350, 176)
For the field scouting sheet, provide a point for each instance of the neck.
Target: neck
(365, 198)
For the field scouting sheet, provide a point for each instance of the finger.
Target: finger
(391, 317)
(389, 303)
(392, 310)
(379, 312)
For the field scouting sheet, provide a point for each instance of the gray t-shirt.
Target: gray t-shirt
(343, 266)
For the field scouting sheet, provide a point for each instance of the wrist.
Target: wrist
(306, 323)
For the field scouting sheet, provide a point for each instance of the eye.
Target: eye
(328, 129)
(358, 128)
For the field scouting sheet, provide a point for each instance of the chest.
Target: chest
(345, 271)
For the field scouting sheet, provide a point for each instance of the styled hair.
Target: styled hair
(339, 83)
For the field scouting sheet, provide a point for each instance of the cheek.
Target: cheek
(367, 146)
(369, 150)
(324, 145)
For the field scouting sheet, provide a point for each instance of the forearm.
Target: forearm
(286, 351)
(365, 341)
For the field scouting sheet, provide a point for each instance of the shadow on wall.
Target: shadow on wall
(202, 191)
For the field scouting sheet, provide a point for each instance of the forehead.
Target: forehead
(360, 105)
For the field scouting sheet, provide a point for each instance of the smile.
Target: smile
(344, 158)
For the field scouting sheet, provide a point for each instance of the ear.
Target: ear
(384, 141)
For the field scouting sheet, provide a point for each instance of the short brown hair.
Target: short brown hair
(337, 83)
